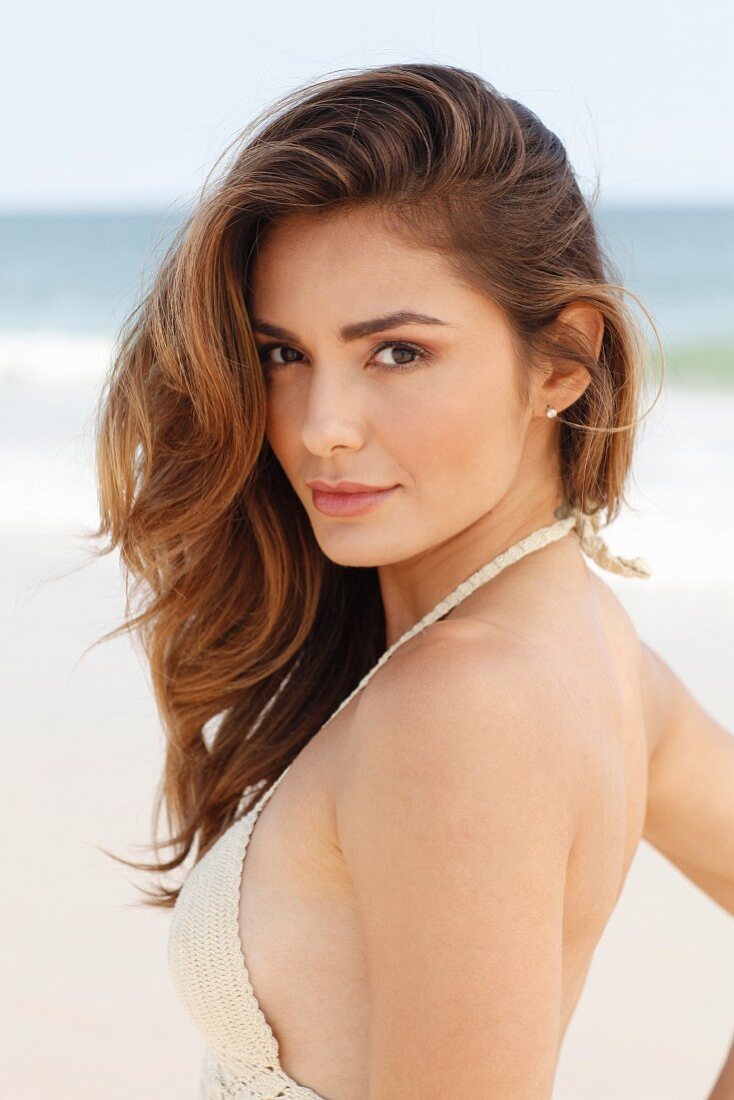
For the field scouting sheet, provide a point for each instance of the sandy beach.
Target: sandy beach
(88, 1006)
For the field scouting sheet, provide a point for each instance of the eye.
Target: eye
(266, 348)
(402, 349)
(290, 354)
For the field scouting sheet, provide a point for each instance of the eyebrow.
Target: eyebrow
(357, 329)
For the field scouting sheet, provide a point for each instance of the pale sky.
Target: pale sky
(128, 105)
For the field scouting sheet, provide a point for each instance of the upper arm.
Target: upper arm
(690, 806)
(456, 816)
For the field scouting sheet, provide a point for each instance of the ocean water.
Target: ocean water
(67, 281)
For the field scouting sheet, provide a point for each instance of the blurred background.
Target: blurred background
(112, 119)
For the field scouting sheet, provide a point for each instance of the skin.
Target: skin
(444, 856)
(476, 470)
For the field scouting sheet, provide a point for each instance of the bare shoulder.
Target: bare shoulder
(460, 801)
(633, 662)
(462, 703)
(689, 814)
(643, 673)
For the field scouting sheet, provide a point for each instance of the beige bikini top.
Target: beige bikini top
(205, 953)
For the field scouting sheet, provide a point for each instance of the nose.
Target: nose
(332, 416)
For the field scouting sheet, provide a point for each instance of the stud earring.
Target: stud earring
(550, 411)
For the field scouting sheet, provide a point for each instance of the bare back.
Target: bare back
(297, 915)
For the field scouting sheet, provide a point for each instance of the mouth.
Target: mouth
(352, 502)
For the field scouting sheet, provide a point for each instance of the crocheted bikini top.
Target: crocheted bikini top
(205, 954)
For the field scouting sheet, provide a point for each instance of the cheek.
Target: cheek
(462, 447)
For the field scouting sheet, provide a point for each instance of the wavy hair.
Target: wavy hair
(252, 635)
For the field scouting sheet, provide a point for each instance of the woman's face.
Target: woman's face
(431, 406)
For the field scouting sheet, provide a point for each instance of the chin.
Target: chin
(363, 549)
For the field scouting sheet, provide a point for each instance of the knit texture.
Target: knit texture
(205, 954)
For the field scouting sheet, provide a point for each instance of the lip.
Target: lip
(346, 486)
(348, 502)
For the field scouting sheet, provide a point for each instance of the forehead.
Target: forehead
(353, 263)
(351, 244)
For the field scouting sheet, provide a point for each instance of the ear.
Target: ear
(588, 320)
(566, 381)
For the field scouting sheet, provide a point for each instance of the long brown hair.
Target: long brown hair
(253, 636)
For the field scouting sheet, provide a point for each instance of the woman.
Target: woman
(383, 365)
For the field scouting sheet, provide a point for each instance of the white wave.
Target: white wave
(51, 359)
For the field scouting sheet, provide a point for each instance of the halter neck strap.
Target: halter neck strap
(586, 526)
(538, 538)
(567, 519)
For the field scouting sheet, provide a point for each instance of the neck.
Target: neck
(410, 588)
